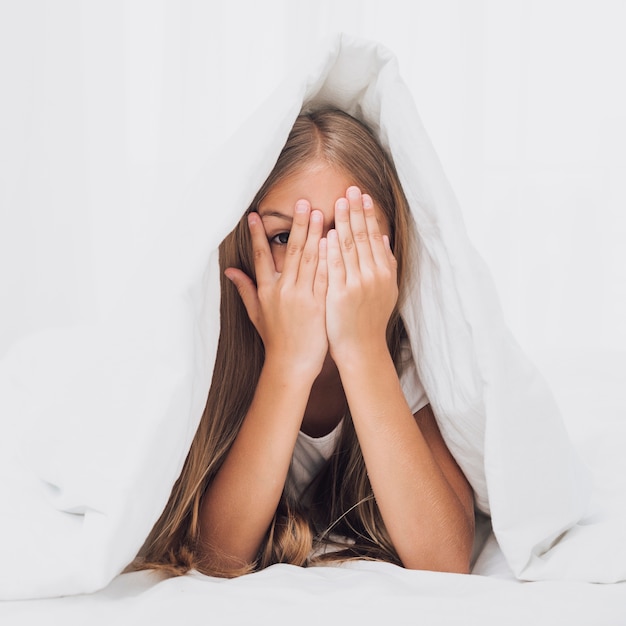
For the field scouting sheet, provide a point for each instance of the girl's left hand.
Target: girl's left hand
(362, 280)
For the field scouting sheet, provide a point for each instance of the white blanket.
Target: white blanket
(97, 421)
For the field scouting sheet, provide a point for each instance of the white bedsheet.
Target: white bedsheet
(96, 422)
(366, 593)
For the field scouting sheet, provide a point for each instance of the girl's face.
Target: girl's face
(318, 183)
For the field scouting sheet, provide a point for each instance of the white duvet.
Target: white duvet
(96, 421)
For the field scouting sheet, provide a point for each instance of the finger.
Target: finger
(264, 267)
(297, 240)
(335, 261)
(320, 285)
(345, 240)
(310, 253)
(377, 245)
(247, 291)
(391, 259)
(359, 227)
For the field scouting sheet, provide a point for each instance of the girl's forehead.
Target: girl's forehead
(320, 184)
(314, 179)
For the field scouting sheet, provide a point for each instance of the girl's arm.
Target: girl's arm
(239, 504)
(423, 497)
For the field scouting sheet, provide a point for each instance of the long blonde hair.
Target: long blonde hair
(341, 499)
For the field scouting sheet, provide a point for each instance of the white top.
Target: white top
(310, 453)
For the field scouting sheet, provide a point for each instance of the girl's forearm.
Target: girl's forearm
(423, 498)
(240, 503)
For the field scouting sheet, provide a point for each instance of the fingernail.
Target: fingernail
(302, 206)
(252, 218)
(316, 216)
(341, 204)
(354, 193)
(367, 202)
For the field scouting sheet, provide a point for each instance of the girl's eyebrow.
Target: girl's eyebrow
(278, 214)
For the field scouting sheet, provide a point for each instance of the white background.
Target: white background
(107, 109)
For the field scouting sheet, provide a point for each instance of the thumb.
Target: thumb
(247, 291)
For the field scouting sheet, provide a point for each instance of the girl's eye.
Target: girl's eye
(280, 239)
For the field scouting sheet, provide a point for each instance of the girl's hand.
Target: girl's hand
(288, 308)
(362, 283)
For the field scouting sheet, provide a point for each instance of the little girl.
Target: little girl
(317, 443)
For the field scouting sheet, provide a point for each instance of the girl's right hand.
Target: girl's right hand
(288, 308)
